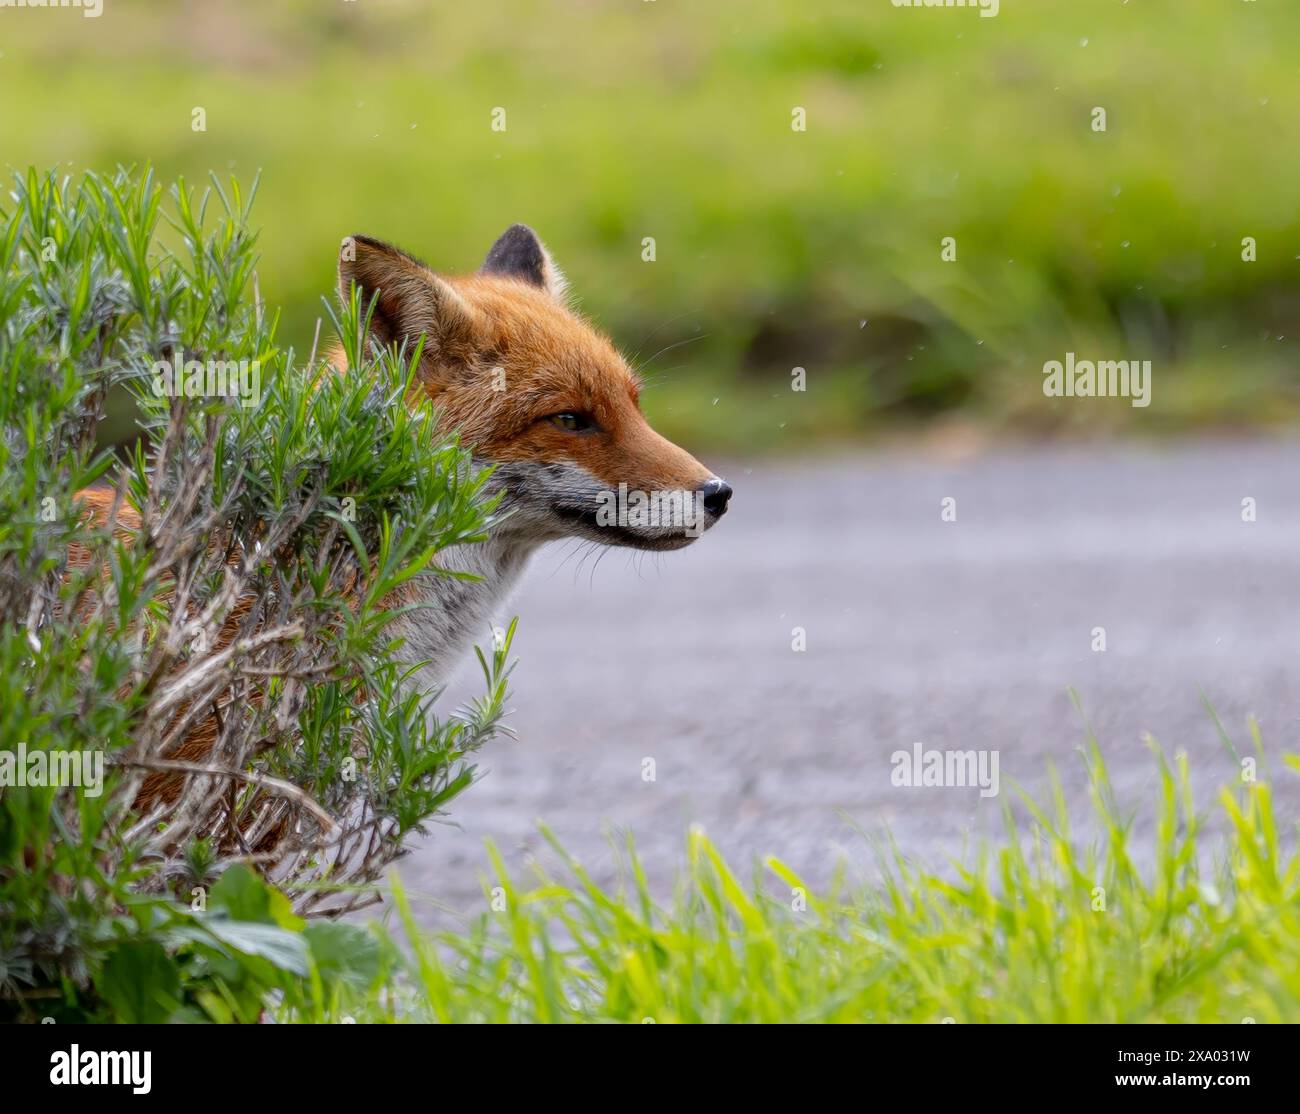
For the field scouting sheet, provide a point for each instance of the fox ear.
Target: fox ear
(411, 301)
(518, 253)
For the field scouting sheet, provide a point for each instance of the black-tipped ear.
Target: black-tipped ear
(412, 299)
(519, 254)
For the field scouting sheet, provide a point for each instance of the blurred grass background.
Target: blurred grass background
(774, 248)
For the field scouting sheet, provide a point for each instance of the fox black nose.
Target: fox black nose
(717, 493)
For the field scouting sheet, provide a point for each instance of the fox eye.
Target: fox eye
(570, 421)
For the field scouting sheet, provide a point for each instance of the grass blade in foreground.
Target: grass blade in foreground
(1039, 929)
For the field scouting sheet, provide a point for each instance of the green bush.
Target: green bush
(251, 593)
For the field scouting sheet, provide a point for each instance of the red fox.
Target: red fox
(537, 392)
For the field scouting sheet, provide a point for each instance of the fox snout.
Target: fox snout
(666, 518)
(645, 491)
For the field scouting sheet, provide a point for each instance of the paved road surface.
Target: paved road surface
(963, 634)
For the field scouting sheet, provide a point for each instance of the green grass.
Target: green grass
(1192, 928)
(775, 248)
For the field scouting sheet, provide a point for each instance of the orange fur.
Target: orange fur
(550, 360)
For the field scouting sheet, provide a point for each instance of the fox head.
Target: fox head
(536, 391)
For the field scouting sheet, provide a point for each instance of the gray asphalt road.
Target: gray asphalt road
(964, 634)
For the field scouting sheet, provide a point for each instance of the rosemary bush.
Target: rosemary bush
(235, 577)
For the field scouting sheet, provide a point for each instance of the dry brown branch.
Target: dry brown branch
(262, 781)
